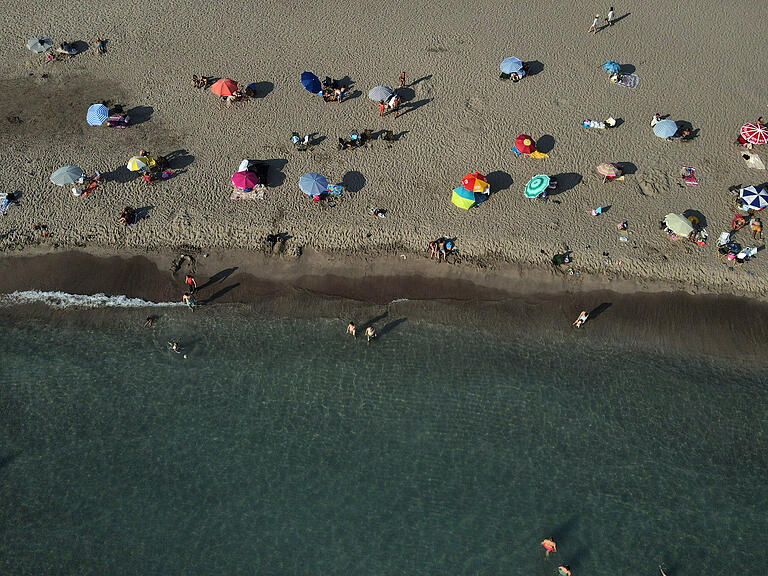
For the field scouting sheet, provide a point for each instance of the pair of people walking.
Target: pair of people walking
(608, 21)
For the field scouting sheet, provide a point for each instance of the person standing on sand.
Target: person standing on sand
(187, 299)
(370, 333)
(189, 280)
(609, 20)
(593, 28)
(549, 546)
(351, 329)
(757, 228)
(579, 323)
(402, 79)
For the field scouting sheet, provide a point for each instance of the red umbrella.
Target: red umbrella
(524, 144)
(755, 133)
(224, 87)
(469, 181)
(244, 179)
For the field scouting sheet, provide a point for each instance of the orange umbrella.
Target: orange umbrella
(224, 87)
(474, 182)
(524, 144)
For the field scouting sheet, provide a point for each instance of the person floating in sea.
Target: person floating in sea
(370, 333)
(564, 570)
(351, 329)
(581, 319)
(549, 546)
(149, 322)
(175, 347)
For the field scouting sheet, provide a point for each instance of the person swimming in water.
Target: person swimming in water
(175, 347)
(564, 570)
(549, 545)
(370, 333)
(351, 329)
(149, 322)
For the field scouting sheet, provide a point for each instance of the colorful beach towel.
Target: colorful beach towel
(255, 194)
(629, 81)
(689, 175)
(537, 154)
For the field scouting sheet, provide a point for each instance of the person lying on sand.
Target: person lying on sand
(101, 46)
(128, 216)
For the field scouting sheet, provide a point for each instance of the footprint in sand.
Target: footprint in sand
(651, 183)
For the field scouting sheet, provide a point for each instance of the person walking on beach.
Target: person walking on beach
(593, 28)
(189, 280)
(402, 79)
(351, 329)
(187, 299)
(549, 546)
(581, 320)
(370, 333)
(609, 19)
(757, 228)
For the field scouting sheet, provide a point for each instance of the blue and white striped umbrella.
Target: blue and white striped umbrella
(313, 184)
(511, 66)
(754, 197)
(96, 115)
(665, 129)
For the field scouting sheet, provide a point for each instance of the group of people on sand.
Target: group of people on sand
(440, 249)
(683, 133)
(333, 90)
(391, 104)
(370, 331)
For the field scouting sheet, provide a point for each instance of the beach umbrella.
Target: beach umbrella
(665, 129)
(511, 66)
(67, 175)
(311, 83)
(463, 198)
(611, 67)
(608, 170)
(524, 144)
(224, 87)
(39, 45)
(380, 93)
(138, 163)
(536, 185)
(754, 197)
(313, 184)
(244, 179)
(475, 182)
(679, 224)
(754, 133)
(96, 114)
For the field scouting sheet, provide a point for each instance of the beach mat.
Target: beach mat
(689, 176)
(629, 81)
(752, 160)
(256, 194)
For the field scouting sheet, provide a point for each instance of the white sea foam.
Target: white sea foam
(396, 300)
(66, 300)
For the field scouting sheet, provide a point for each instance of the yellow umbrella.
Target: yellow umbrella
(138, 163)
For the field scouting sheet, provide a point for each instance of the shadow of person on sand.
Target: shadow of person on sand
(142, 213)
(391, 326)
(219, 293)
(375, 319)
(218, 277)
(595, 312)
(412, 106)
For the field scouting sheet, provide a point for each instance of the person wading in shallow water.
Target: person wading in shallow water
(351, 329)
(549, 546)
(370, 333)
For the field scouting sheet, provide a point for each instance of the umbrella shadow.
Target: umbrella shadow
(80, 46)
(178, 159)
(499, 181)
(626, 167)
(406, 94)
(219, 293)
(565, 182)
(142, 213)
(120, 175)
(140, 114)
(353, 181)
(533, 67)
(218, 277)
(390, 326)
(411, 106)
(8, 458)
(275, 177)
(700, 218)
(261, 89)
(545, 144)
(595, 312)
(626, 69)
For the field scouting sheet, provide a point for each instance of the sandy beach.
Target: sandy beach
(693, 63)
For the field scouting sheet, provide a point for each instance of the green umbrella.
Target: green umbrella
(536, 185)
(67, 175)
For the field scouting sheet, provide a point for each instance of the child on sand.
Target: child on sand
(593, 28)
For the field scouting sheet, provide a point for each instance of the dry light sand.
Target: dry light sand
(694, 61)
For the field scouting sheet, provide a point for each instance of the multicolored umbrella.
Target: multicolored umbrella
(475, 182)
(536, 185)
(244, 180)
(754, 133)
(311, 83)
(754, 197)
(138, 163)
(463, 198)
(313, 184)
(608, 170)
(39, 45)
(611, 67)
(511, 66)
(524, 144)
(224, 87)
(665, 129)
(380, 93)
(96, 114)
(67, 175)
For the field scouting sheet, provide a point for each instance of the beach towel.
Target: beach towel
(689, 176)
(752, 160)
(256, 194)
(629, 81)
(537, 154)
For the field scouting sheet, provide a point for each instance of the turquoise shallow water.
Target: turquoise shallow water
(282, 447)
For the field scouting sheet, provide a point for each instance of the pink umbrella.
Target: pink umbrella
(244, 179)
(754, 133)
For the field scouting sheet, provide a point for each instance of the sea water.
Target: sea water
(278, 445)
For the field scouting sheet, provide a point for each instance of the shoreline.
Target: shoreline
(513, 301)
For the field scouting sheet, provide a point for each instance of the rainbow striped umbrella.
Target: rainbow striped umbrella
(608, 170)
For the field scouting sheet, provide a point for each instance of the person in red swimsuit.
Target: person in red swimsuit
(549, 545)
(190, 281)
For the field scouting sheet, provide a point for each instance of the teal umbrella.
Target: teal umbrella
(536, 185)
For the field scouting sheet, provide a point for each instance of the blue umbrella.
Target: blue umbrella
(511, 66)
(96, 115)
(313, 184)
(611, 67)
(311, 83)
(665, 129)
